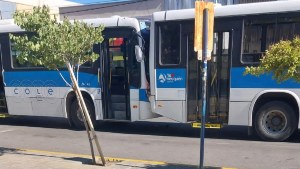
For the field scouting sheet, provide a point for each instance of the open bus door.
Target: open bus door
(178, 73)
(218, 75)
(114, 80)
(120, 75)
(3, 107)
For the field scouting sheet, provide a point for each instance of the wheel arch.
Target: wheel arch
(271, 95)
(71, 96)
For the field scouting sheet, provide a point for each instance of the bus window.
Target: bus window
(15, 62)
(286, 29)
(260, 34)
(169, 44)
(14, 54)
(252, 43)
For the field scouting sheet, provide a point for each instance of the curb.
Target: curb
(113, 159)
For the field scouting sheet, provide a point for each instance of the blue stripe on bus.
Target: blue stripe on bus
(47, 78)
(238, 80)
(171, 78)
(143, 95)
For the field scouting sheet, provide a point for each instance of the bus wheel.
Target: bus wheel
(76, 116)
(275, 121)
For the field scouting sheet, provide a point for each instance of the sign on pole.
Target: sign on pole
(198, 39)
(203, 45)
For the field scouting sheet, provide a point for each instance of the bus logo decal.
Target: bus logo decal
(169, 78)
(162, 78)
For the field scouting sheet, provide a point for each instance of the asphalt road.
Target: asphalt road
(158, 139)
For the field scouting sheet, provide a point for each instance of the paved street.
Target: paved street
(158, 141)
(35, 159)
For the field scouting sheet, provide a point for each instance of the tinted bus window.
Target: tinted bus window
(15, 62)
(169, 44)
(252, 43)
(260, 34)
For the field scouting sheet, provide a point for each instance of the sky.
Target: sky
(95, 1)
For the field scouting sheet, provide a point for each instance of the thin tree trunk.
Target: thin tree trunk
(84, 110)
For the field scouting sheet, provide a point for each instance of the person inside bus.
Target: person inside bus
(170, 56)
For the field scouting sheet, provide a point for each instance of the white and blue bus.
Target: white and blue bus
(120, 85)
(242, 33)
(114, 86)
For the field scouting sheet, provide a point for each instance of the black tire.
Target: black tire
(275, 121)
(75, 114)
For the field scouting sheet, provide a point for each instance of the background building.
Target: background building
(135, 8)
(129, 8)
(8, 7)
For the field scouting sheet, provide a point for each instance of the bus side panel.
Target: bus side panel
(134, 104)
(95, 93)
(244, 90)
(44, 91)
(172, 109)
(170, 84)
(171, 93)
(145, 109)
(98, 109)
(35, 101)
(145, 112)
(239, 113)
(15, 105)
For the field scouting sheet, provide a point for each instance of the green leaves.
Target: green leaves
(54, 43)
(32, 21)
(282, 59)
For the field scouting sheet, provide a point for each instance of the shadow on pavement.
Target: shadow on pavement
(142, 127)
(44, 122)
(166, 166)
(175, 129)
(54, 159)
(6, 150)
(85, 161)
(148, 166)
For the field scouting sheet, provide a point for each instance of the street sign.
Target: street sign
(203, 45)
(200, 6)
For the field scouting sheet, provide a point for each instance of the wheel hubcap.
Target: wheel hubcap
(274, 121)
(79, 115)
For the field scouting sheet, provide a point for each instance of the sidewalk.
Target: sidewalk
(35, 159)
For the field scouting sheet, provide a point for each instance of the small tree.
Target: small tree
(282, 59)
(55, 45)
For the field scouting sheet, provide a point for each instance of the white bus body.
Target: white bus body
(242, 34)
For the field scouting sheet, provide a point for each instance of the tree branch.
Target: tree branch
(63, 78)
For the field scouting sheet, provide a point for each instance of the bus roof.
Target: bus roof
(8, 25)
(233, 10)
(114, 21)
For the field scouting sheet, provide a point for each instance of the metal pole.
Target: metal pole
(204, 81)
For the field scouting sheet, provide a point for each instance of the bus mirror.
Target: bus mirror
(139, 53)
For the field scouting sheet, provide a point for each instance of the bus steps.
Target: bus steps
(2, 103)
(5, 115)
(207, 125)
(119, 107)
(118, 98)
